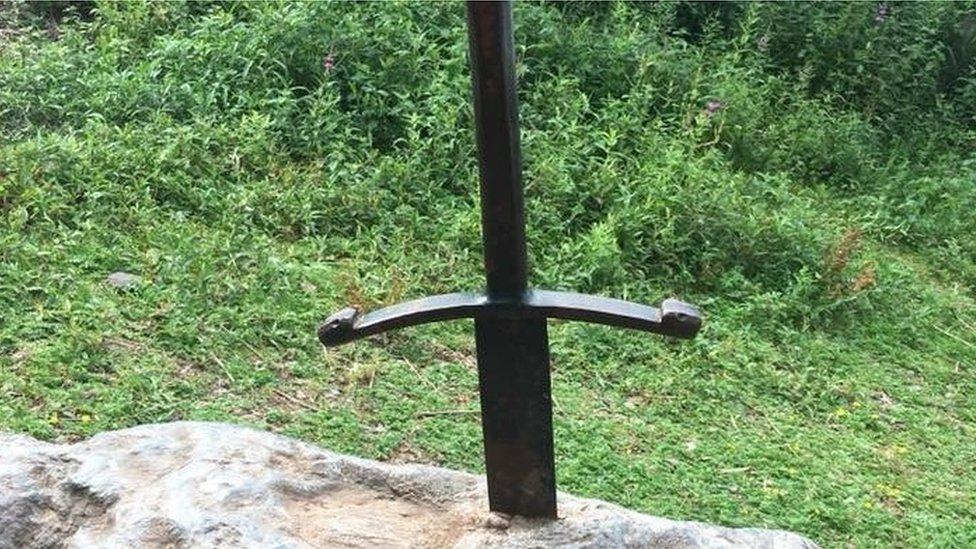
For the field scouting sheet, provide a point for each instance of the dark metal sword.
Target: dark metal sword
(510, 319)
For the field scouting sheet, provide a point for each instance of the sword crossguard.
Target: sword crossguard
(673, 318)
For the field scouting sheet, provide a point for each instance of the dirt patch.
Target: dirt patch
(358, 517)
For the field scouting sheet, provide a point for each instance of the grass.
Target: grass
(827, 234)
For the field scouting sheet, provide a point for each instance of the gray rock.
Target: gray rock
(215, 485)
(123, 280)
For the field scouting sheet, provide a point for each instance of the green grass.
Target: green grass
(823, 219)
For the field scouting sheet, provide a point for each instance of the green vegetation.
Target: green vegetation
(802, 172)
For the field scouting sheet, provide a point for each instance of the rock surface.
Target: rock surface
(215, 485)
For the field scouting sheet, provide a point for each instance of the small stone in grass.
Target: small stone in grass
(122, 280)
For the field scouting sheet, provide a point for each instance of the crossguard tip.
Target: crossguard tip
(679, 318)
(339, 328)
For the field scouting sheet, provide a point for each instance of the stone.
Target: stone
(498, 521)
(123, 280)
(189, 484)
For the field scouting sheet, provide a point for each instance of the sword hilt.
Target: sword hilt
(673, 318)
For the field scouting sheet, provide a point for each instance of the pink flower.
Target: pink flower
(882, 12)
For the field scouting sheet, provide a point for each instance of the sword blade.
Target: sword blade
(516, 415)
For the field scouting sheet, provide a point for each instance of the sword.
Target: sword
(509, 318)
